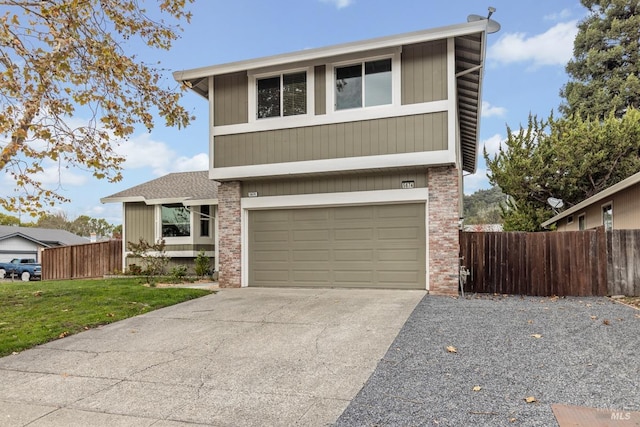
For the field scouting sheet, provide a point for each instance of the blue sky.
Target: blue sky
(524, 71)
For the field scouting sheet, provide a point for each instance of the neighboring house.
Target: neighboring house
(342, 166)
(179, 208)
(27, 242)
(617, 207)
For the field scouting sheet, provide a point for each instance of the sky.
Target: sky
(524, 72)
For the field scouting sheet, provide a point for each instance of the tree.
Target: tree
(8, 220)
(484, 206)
(85, 226)
(63, 60)
(567, 158)
(605, 71)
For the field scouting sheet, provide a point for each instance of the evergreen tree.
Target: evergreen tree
(605, 71)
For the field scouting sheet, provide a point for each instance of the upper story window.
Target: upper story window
(176, 221)
(282, 95)
(581, 222)
(364, 84)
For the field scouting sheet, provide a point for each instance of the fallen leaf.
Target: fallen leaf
(477, 388)
(536, 335)
(512, 420)
(110, 315)
(530, 322)
(588, 305)
(452, 349)
(65, 309)
(530, 399)
(64, 334)
(606, 322)
(37, 294)
(594, 317)
(637, 316)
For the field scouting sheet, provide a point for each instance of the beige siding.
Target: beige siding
(408, 134)
(626, 212)
(231, 97)
(320, 90)
(354, 246)
(334, 184)
(424, 72)
(139, 220)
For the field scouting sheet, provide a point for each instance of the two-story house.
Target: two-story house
(342, 166)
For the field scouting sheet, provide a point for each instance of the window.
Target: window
(283, 95)
(175, 221)
(581, 222)
(570, 219)
(204, 220)
(354, 91)
(607, 216)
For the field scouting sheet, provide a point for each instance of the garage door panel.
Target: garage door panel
(355, 246)
(353, 254)
(311, 255)
(271, 236)
(271, 255)
(399, 255)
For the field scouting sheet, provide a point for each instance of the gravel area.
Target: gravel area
(504, 349)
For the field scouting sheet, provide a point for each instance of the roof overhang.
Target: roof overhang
(622, 185)
(163, 201)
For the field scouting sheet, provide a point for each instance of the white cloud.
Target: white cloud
(558, 16)
(142, 151)
(340, 4)
(489, 110)
(492, 144)
(475, 182)
(553, 47)
(55, 174)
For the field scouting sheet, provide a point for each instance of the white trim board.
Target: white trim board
(247, 204)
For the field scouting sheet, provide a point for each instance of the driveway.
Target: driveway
(268, 357)
(507, 361)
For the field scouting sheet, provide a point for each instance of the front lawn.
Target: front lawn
(34, 313)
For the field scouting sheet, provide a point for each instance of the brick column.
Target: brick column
(229, 237)
(444, 237)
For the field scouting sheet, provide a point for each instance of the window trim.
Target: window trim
(602, 207)
(202, 217)
(396, 81)
(180, 240)
(253, 93)
(582, 217)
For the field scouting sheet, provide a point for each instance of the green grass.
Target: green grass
(38, 312)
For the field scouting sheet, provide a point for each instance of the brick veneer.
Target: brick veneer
(229, 234)
(444, 238)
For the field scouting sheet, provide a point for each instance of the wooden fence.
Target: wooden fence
(82, 261)
(623, 262)
(544, 264)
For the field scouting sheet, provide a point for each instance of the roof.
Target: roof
(470, 45)
(615, 188)
(189, 188)
(44, 236)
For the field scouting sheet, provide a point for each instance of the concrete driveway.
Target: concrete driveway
(241, 357)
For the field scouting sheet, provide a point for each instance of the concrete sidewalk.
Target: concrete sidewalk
(241, 357)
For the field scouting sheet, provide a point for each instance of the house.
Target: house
(342, 166)
(179, 208)
(27, 242)
(617, 207)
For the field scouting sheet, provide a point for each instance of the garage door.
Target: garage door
(353, 246)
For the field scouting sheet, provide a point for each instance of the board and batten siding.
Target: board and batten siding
(231, 101)
(140, 220)
(320, 89)
(334, 184)
(406, 134)
(424, 72)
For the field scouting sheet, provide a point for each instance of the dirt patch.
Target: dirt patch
(205, 284)
(632, 301)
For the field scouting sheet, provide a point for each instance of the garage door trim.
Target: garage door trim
(328, 200)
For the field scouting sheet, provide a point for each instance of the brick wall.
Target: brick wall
(229, 238)
(444, 244)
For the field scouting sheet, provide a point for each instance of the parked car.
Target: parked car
(25, 268)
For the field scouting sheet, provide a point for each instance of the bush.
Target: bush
(178, 272)
(202, 264)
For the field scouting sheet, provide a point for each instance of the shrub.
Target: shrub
(202, 264)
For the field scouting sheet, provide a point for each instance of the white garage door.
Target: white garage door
(379, 246)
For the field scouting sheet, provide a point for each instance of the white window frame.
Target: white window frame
(602, 206)
(582, 217)
(396, 81)
(182, 240)
(253, 94)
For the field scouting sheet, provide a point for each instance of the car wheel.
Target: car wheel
(25, 276)
(3, 273)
